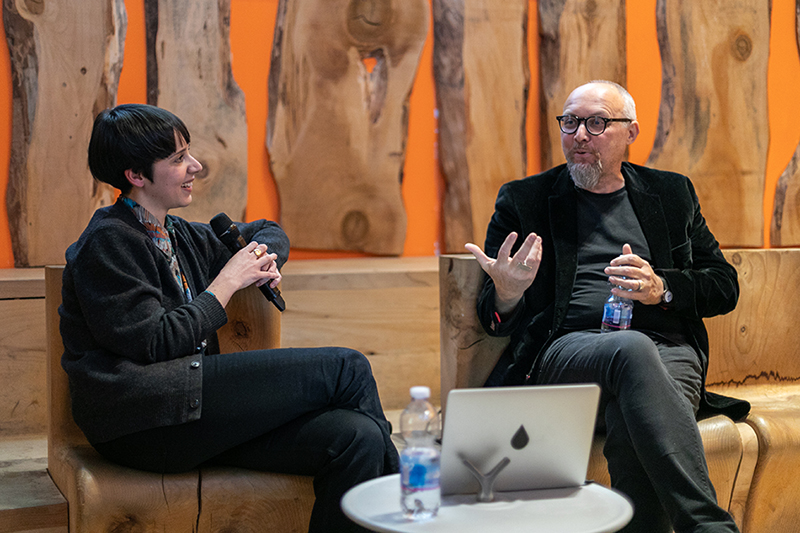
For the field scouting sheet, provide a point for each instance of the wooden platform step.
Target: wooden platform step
(29, 501)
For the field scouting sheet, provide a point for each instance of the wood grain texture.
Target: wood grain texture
(65, 63)
(253, 323)
(775, 490)
(755, 356)
(339, 84)
(189, 73)
(468, 353)
(21, 283)
(712, 123)
(23, 410)
(482, 81)
(103, 496)
(448, 75)
(245, 501)
(29, 502)
(785, 225)
(389, 315)
(757, 343)
(744, 477)
(581, 41)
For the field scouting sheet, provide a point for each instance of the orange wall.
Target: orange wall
(251, 40)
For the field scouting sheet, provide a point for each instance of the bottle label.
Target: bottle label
(419, 473)
(617, 317)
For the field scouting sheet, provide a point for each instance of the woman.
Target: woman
(144, 293)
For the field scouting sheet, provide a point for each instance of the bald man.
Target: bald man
(557, 245)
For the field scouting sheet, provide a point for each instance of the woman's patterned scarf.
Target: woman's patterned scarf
(162, 238)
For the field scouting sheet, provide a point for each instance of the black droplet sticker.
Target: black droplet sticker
(520, 439)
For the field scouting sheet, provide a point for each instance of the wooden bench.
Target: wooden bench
(386, 308)
(755, 355)
(103, 496)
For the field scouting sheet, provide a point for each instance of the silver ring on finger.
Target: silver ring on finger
(524, 266)
(641, 284)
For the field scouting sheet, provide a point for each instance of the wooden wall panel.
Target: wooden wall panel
(482, 81)
(339, 84)
(581, 41)
(388, 309)
(769, 282)
(712, 122)
(189, 73)
(23, 404)
(66, 57)
(785, 227)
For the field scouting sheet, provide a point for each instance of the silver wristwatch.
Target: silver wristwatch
(666, 296)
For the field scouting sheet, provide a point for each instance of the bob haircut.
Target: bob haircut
(132, 136)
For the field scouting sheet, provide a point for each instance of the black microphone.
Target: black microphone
(228, 233)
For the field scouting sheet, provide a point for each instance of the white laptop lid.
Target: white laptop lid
(546, 431)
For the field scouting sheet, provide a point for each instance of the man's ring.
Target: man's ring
(258, 253)
(640, 286)
(524, 266)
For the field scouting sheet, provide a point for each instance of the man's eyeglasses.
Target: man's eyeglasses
(595, 125)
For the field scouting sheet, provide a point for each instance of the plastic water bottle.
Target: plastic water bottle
(617, 313)
(419, 461)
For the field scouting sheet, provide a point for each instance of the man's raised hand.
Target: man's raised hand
(512, 275)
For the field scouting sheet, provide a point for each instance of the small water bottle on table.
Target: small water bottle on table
(419, 461)
(617, 313)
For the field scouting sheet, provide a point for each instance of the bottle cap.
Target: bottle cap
(420, 393)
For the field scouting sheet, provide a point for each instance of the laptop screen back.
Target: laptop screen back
(545, 431)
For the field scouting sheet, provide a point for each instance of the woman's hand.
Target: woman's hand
(250, 265)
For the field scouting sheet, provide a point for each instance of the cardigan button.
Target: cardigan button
(195, 364)
(194, 404)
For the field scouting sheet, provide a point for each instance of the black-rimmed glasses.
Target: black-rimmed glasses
(595, 125)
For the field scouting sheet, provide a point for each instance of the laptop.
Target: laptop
(546, 431)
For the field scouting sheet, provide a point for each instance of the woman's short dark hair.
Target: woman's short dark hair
(132, 136)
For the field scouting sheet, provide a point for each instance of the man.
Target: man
(599, 223)
(144, 294)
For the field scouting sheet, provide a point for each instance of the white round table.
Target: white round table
(590, 508)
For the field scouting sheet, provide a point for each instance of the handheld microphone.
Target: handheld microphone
(227, 232)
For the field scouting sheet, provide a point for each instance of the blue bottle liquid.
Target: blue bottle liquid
(617, 314)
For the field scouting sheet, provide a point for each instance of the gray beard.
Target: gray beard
(585, 176)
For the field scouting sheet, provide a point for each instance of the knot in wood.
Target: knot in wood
(34, 7)
(126, 524)
(736, 259)
(742, 46)
(589, 9)
(355, 227)
(241, 329)
(367, 19)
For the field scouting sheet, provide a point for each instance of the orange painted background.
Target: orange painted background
(252, 23)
